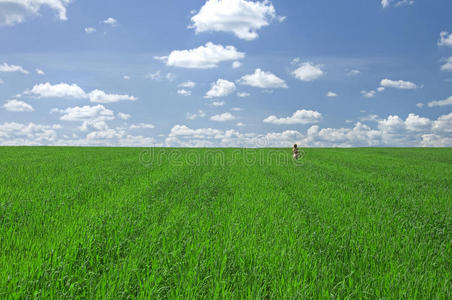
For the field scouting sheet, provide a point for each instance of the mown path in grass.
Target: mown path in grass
(225, 223)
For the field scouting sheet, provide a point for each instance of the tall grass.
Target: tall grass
(211, 223)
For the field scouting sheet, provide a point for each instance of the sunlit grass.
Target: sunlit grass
(229, 223)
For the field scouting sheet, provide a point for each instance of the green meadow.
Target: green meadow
(225, 223)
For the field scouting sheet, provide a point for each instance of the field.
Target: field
(225, 223)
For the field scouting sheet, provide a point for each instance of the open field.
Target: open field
(118, 222)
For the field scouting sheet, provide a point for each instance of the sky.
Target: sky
(226, 73)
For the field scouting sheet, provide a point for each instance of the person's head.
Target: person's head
(295, 146)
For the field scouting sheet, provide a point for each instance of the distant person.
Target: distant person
(295, 152)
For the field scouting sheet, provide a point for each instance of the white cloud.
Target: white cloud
(299, 117)
(241, 17)
(123, 116)
(61, 90)
(40, 72)
(142, 126)
(236, 109)
(188, 84)
(398, 84)
(220, 88)
(17, 106)
(354, 73)
(17, 11)
(218, 103)
(239, 124)
(331, 94)
(12, 68)
(203, 57)
(111, 21)
(184, 92)
(85, 113)
(386, 3)
(27, 134)
(236, 64)
(444, 102)
(380, 88)
(98, 96)
(227, 116)
(448, 65)
(445, 39)
(64, 90)
(90, 30)
(263, 80)
(199, 114)
(308, 72)
(126, 77)
(368, 94)
(371, 118)
(243, 94)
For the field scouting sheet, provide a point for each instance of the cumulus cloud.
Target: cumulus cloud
(398, 84)
(241, 17)
(12, 68)
(126, 77)
(111, 21)
(299, 117)
(17, 134)
(448, 65)
(445, 39)
(188, 84)
(61, 90)
(227, 116)
(220, 88)
(236, 64)
(123, 116)
(199, 114)
(263, 80)
(98, 96)
(391, 131)
(142, 126)
(444, 102)
(368, 94)
(17, 11)
(308, 72)
(17, 106)
(203, 57)
(331, 94)
(85, 113)
(40, 72)
(184, 92)
(64, 90)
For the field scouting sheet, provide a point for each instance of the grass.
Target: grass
(225, 223)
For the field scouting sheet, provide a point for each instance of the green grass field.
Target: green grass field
(225, 223)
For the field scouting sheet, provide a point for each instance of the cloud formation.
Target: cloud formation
(12, 68)
(263, 80)
(17, 11)
(227, 116)
(17, 106)
(203, 57)
(398, 84)
(445, 39)
(220, 88)
(308, 72)
(299, 117)
(241, 17)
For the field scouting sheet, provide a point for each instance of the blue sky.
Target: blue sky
(228, 73)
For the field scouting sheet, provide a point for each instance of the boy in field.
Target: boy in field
(295, 152)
